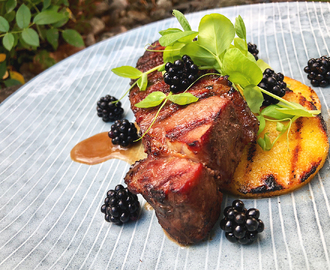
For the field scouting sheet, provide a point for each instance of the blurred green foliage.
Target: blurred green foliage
(29, 29)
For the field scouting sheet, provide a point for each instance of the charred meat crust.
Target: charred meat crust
(183, 193)
(189, 151)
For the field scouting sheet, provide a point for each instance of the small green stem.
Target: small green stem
(290, 104)
(154, 120)
(154, 69)
(206, 74)
(129, 89)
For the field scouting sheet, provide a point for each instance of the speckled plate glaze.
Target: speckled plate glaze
(50, 206)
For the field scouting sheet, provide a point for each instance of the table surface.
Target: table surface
(50, 206)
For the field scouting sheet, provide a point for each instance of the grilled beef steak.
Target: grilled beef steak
(183, 193)
(191, 150)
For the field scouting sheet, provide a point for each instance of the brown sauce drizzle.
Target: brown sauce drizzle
(99, 148)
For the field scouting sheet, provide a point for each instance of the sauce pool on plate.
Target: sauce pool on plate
(99, 148)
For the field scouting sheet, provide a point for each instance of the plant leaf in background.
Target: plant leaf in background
(182, 20)
(3, 69)
(46, 4)
(4, 25)
(52, 36)
(23, 16)
(48, 17)
(127, 72)
(2, 57)
(11, 82)
(10, 5)
(17, 76)
(152, 100)
(8, 41)
(30, 36)
(10, 16)
(73, 38)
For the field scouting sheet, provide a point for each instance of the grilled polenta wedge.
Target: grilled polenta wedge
(289, 164)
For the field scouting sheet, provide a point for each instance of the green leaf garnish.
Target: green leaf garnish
(245, 73)
(182, 20)
(172, 52)
(262, 123)
(265, 142)
(183, 98)
(254, 97)
(152, 100)
(200, 55)
(127, 72)
(143, 82)
(273, 112)
(216, 32)
(240, 27)
(169, 31)
(262, 65)
(169, 39)
(217, 48)
(241, 45)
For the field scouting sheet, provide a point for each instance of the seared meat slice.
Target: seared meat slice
(213, 131)
(182, 192)
(191, 150)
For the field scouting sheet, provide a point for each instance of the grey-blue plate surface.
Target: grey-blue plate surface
(50, 206)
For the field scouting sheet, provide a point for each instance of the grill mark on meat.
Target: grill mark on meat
(190, 149)
(179, 131)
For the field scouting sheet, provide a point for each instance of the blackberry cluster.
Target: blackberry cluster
(318, 70)
(123, 133)
(241, 225)
(273, 83)
(180, 74)
(252, 48)
(108, 109)
(120, 206)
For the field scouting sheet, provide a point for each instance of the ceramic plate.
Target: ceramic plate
(50, 206)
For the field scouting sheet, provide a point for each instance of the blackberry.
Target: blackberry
(180, 74)
(241, 225)
(273, 83)
(120, 206)
(123, 133)
(252, 48)
(318, 70)
(108, 109)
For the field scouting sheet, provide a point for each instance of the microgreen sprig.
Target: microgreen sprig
(221, 46)
(156, 98)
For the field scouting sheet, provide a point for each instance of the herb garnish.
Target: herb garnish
(214, 46)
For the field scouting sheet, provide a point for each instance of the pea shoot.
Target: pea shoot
(221, 46)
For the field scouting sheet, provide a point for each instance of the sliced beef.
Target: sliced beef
(183, 193)
(191, 150)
